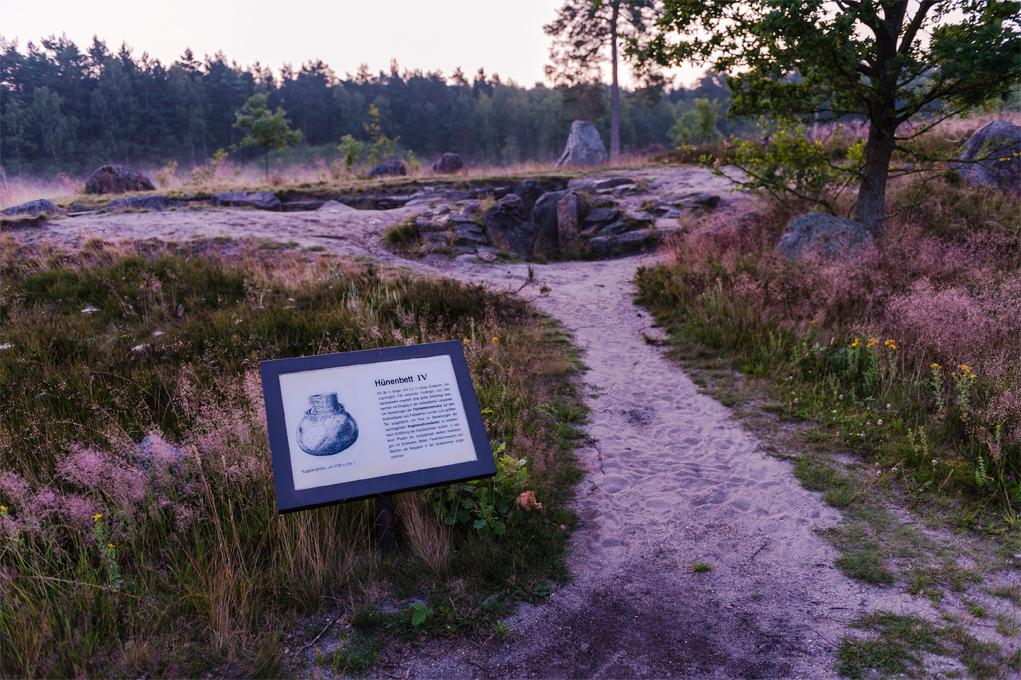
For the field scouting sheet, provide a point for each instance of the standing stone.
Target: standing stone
(568, 240)
(544, 216)
(117, 179)
(992, 157)
(448, 163)
(584, 146)
(507, 227)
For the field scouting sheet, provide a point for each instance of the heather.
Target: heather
(138, 530)
(910, 356)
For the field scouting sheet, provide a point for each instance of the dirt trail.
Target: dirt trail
(671, 479)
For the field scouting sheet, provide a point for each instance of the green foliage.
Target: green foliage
(701, 568)
(698, 124)
(351, 150)
(268, 130)
(787, 166)
(489, 506)
(382, 147)
(899, 642)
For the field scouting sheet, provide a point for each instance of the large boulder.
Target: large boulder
(584, 146)
(117, 179)
(448, 163)
(819, 235)
(992, 157)
(544, 216)
(507, 226)
(35, 208)
(392, 168)
(261, 200)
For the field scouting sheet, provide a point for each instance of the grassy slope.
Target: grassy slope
(114, 565)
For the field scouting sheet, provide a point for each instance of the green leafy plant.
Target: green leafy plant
(488, 505)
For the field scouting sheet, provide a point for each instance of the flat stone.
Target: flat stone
(600, 215)
(34, 209)
(487, 254)
(261, 200)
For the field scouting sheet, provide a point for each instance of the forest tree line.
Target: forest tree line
(67, 109)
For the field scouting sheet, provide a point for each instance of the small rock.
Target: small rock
(302, 205)
(487, 254)
(618, 227)
(391, 168)
(584, 146)
(117, 179)
(261, 200)
(601, 215)
(448, 163)
(698, 200)
(35, 208)
(464, 234)
(824, 236)
(467, 258)
(612, 182)
(334, 207)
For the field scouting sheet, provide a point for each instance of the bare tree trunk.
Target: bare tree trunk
(614, 87)
(870, 207)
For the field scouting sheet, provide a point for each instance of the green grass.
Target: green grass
(899, 642)
(202, 576)
(701, 568)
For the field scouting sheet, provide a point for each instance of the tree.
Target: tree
(582, 30)
(697, 125)
(267, 129)
(887, 60)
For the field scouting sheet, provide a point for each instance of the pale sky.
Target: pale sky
(501, 36)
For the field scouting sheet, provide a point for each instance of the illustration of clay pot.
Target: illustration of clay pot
(326, 429)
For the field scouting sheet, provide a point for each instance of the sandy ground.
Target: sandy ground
(671, 479)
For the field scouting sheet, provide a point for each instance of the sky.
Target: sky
(502, 36)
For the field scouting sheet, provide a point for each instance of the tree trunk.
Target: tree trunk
(266, 157)
(870, 207)
(614, 88)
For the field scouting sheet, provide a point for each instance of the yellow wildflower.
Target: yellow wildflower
(466, 341)
(965, 367)
(890, 345)
(856, 343)
(98, 516)
(495, 340)
(934, 366)
(873, 342)
(3, 509)
(110, 546)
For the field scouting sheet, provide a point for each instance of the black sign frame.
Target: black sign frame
(290, 499)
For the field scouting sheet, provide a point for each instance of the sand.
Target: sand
(670, 480)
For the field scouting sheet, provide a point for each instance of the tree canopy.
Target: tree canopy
(886, 60)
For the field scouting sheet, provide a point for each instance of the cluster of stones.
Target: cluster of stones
(584, 219)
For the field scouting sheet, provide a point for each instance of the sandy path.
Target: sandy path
(671, 479)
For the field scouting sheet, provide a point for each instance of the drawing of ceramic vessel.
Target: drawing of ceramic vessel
(326, 429)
